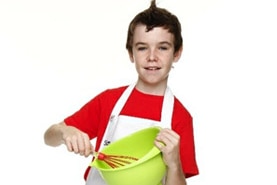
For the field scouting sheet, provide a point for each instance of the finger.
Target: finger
(87, 145)
(159, 145)
(169, 133)
(168, 137)
(68, 144)
(81, 144)
(84, 145)
(75, 144)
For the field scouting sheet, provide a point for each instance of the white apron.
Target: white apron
(120, 126)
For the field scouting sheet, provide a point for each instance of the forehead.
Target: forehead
(156, 35)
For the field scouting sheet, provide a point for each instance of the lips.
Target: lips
(153, 68)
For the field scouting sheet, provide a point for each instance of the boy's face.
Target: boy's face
(153, 54)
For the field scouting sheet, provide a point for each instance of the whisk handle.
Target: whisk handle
(101, 156)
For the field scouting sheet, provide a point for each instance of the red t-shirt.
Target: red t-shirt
(93, 118)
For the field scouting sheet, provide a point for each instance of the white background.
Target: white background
(56, 55)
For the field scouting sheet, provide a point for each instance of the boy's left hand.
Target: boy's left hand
(168, 142)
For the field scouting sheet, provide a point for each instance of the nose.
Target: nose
(152, 55)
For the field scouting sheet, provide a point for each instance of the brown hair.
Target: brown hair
(156, 17)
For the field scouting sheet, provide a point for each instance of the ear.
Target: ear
(131, 56)
(178, 54)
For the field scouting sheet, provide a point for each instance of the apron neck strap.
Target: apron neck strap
(122, 100)
(167, 108)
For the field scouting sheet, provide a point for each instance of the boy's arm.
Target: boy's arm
(75, 140)
(175, 176)
(54, 134)
(171, 156)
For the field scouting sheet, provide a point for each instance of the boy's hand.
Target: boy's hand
(168, 142)
(76, 141)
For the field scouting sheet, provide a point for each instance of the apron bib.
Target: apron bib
(121, 125)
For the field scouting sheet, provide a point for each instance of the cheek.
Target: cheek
(137, 67)
(137, 58)
(169, 64)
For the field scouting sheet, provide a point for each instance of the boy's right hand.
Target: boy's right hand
(76, 141)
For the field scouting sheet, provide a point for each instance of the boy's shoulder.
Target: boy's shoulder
(113, 92)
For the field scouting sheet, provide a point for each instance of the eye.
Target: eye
(142, 48)
(163, 48)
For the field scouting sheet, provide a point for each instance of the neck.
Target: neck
(154, 89)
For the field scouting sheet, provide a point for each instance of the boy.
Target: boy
(154, 43)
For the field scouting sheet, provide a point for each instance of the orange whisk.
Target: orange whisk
(115, 161)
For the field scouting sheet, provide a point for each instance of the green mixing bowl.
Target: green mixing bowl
(149, 169)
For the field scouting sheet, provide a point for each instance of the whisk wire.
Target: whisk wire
(116, 161)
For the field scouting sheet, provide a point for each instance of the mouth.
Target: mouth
(152, 68)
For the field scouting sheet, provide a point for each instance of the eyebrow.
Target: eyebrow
(163, 42)
(140, 43)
